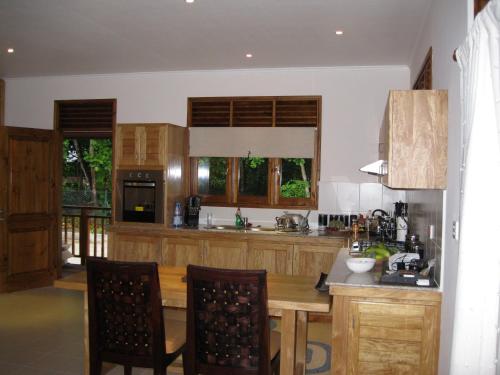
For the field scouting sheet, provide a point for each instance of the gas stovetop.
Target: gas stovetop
(405, 277)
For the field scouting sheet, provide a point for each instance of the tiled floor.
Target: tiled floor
(41, 334)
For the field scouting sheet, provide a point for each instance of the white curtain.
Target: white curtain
(475, 336)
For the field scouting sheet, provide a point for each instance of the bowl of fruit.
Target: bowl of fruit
(360, 265)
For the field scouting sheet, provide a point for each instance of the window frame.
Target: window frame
(232, 198)
(273, 199)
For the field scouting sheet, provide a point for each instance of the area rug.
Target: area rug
(319, 349)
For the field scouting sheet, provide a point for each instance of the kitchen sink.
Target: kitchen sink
(250, 229)
(224, 227)
(262, 229)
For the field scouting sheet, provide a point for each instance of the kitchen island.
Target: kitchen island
(382, 329)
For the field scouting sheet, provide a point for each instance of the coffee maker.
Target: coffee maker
(192, 212)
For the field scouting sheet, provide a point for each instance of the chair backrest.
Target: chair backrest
(227, 322)
(125, 313)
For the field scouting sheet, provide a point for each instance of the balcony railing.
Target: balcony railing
(84, 231)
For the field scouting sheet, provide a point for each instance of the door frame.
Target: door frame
(59, 137)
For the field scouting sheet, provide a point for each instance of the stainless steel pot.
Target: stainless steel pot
(292, 221)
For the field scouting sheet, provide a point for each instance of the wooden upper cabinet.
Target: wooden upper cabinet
(414, 139)
(127, 146)
(255, 111)
(141, 145)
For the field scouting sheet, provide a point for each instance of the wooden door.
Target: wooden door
(29, 240)
(274, 257)
(391, 338)
(226, 254)
(127, 147)
(153, 146)
(180, 252)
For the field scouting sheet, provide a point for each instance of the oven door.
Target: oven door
(140, 196)
(139, 201)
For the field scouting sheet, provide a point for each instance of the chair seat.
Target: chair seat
(175, 334)
(275, 344)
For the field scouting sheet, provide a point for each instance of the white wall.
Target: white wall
(445, 29)
(353, 105)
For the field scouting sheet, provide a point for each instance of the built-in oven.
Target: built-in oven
(140, 196)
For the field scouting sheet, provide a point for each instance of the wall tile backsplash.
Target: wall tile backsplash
(425, 208)
(334, 198)
(347, 197)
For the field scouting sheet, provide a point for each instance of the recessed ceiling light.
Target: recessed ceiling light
(248, 55)
(189, 1)
(339, 32)
(10, 50)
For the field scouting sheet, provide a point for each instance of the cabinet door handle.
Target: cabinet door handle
(353, 323)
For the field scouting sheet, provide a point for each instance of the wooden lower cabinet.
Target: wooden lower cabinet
(378, 336)
(286, 256)
(226, 254)
(180, 252)
(134, 248)
(311, 260)
(274, 257)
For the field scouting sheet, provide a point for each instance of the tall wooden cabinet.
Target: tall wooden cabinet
(414, 139)
(160, 147)
(385, 331)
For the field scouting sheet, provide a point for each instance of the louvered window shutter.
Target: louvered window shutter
(82, 118)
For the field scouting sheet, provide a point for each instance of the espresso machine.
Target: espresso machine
(192, 211)
(386, 225)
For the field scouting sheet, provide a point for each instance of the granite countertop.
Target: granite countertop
(340, 275)
(230, 229)
(270, 231)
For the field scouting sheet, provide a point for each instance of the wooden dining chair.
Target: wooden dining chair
(228, 323)
(127, 325)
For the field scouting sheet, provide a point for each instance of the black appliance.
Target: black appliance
(140, 196)
(192, 212)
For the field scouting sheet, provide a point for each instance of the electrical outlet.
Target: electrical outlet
(455, 230)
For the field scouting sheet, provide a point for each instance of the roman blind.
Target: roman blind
(294, 142)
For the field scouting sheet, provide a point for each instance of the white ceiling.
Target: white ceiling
(59, 37)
